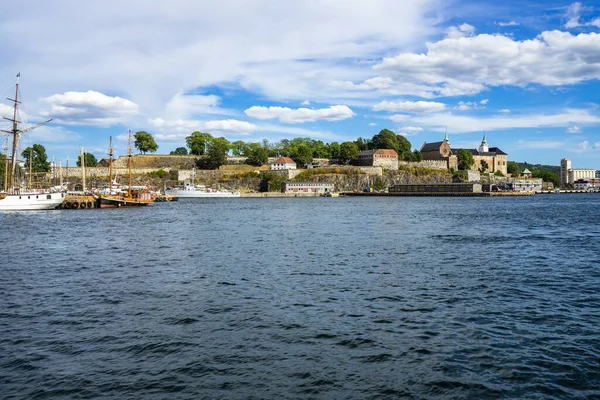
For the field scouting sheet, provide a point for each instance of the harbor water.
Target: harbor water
(304, 298)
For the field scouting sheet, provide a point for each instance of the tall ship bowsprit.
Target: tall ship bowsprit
(17, 196)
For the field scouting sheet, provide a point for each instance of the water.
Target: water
(321, 298)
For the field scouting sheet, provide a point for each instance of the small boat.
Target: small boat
(13, 197)
(191, 190)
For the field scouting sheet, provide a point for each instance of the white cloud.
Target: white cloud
(583, 145)
(89, 108)
(399, 117)
(181, 128)
(410, 130)
(596, 145)
(463, 123)
(504, 111)
(468, 105)
(468, 65)
(410, 106)
(573, 15)
(573, 129)
(305, 103)
(510, 23)
(300, 115)
(484, 101)
(460, 31)
(372, 124)
(185, 106)
(595, 22)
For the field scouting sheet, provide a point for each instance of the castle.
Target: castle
(495, 158)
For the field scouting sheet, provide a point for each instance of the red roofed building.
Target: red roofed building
(283, 163)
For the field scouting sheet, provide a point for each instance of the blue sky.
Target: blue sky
(524, 73)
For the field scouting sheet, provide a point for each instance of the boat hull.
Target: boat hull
(117, 202)
(203, 194)
(31, 201)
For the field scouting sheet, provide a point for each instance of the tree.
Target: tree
(144, 142)
(90, 160)
(215, 155)
(334, 150)
(513, 168)
(239, 148)
(198, 142)
(403, 144)
(484, 166)
(348, 152)
(363, 144)
(180, 151)
(546, 176)
(304, 155)
(257, 155)
(465, 159)
(40, 162)
(385, 139)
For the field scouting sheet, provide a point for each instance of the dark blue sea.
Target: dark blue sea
(316, 298)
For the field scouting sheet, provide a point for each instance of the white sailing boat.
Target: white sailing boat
(13, 197)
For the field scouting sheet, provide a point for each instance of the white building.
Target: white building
(569, 175)
(283, 163)
(587, 184)
(307, 187)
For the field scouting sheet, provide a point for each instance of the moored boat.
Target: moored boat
(191, 190)
(13, 197)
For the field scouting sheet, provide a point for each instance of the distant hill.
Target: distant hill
(555, 169)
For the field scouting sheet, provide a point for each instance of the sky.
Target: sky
(525, 74)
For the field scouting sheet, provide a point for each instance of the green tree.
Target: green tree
(90, 160)
(180, 151)
(215, 155)
(484, 166)
(257, 155)
(465, 159)
(239, 148)
(348, 152)
(36, 155)
(334, 150)
(546, 176)
(304, 155)
(414, 156)
(385, 139)
(144, 142)
(363, 144)
(198, 142)
(513, 168)
(403, 144)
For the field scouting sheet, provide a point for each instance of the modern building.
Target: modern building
(384, 158)
(587, 184)
(495, 158)
(283, 163)
(569, 175)
(307, 187)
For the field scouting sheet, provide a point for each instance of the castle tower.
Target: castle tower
(483, 147)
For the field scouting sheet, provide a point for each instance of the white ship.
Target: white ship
(12, 197)
(191, 190)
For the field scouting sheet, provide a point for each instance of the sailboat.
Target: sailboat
(13, 197)
(131, 198)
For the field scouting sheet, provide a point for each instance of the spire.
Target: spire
(484, 148)
(446, 136)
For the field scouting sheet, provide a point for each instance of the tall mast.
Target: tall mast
(110, 158)
(130, 167)
(15, 132)
(83, 185)
(6, 166)
(30, 165)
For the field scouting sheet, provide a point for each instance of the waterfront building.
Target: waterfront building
(283, 163)
(494, 157)
(587, 184)
(568, 175)
(307, 187)
(431, 188)
(384, 158)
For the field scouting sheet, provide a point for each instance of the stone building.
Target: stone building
(495, 158)
(384, 158)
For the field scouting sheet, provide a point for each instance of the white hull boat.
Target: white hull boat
(30, 201)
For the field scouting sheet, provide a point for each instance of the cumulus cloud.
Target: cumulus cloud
(410, 106)
(300, 115)
(573, 129)
(372, 124)
(468, 105)
(89, 108)
(305, 103)
(181, 128)
(410, 130)
(596, 145)
(504, 111)
(185, 105)
(484, 101)
(468, 65)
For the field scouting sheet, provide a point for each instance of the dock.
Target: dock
(438, 194)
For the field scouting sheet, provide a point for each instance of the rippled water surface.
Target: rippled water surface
(322, 298)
